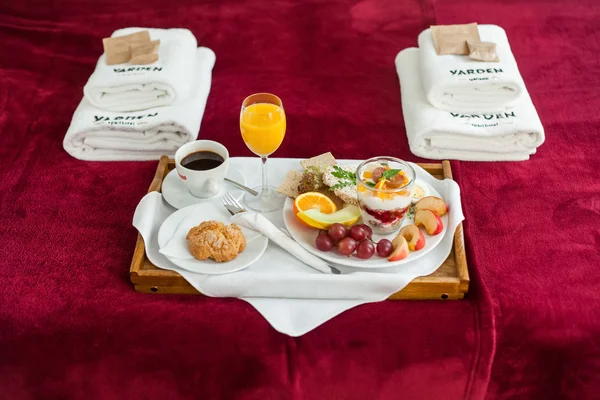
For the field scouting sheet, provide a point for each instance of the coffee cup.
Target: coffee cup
(202, 166)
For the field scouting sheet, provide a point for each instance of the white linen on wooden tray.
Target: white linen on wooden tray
(293, 298)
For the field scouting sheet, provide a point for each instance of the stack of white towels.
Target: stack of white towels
(140, 112)
(459, 108)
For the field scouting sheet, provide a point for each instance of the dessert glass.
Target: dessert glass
(384, 209)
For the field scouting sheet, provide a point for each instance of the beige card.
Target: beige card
(117, 48)
(144, 53)
(143, 59)
(483, 51)
(144, 47)
(452, 39)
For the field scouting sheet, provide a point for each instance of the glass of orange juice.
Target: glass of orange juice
(262, 123)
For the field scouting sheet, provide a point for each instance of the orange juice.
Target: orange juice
(263, 127)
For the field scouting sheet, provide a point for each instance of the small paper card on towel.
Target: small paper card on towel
(117, 48)
(483, 51)
(144, 53)
(452, 39)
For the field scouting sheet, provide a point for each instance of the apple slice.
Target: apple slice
(432, 203)
(400, 249)
(430, 220)
(414, 236)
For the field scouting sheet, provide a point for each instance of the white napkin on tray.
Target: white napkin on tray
(259, 223)
(293, 298)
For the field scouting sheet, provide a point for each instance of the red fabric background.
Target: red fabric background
(71, 325)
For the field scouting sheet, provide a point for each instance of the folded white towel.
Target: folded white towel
(433, 133)
(97, 135)
(127, 87)
(460, 84)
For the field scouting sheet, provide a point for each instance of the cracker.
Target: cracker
(289, 186)
(322, 161)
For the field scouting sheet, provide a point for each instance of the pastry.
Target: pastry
(213, 239)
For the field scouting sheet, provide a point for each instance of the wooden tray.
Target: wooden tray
(449, 281)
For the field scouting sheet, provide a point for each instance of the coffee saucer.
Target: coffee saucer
(177, 195)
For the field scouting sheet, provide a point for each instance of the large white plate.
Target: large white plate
(306, 236)
(209, 211)
(177, 195)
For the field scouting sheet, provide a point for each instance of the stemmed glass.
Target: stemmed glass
(262, 123)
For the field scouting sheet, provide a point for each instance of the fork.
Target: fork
(231, 204)
(234, 207)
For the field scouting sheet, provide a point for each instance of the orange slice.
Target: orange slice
(381, 184)
(314, 200)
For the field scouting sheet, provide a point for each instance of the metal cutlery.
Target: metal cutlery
(231, 204)
(246, 188)
(234, 207)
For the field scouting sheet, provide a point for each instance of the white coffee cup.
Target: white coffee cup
(205, 183)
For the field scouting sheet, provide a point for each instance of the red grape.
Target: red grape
(396, 181)
(337, 231)
(357, 233)
(384, 248)
(365, 249)
(324, 242)
(368, 231)
(377, 173)
(346, 246)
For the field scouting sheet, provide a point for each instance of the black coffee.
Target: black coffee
(202, 160)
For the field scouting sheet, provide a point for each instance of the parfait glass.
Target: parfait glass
(262, 124)
(384, 201)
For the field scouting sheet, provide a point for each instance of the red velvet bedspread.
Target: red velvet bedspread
(71, 325)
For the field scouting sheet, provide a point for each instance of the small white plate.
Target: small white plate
(177, 195)
(209, 211)
(306, 236)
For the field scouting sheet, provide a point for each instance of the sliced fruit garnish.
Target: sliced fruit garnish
(397, 180)
(377, 174)
(315, 218)
(432, 203)
(381, 184)
(400, 249)
(414, 237)
(430, 220)
(314, 200)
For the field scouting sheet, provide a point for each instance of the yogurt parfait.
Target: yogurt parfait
(384, 192)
